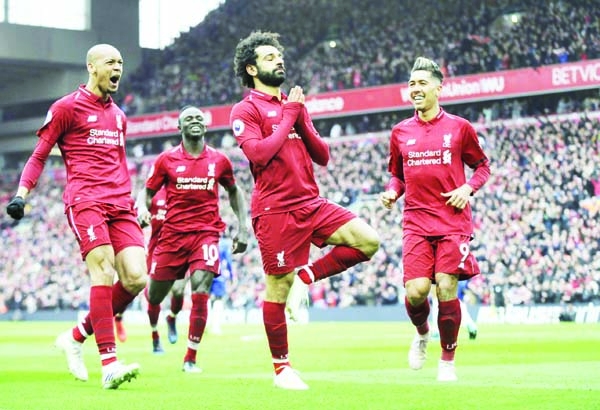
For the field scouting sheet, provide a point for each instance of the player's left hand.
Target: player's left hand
(459, 198)
(239, 244)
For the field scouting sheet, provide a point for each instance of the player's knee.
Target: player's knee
(100, 264)
(447, 287)
(177, 292)
(135, 280)
(416, 293)
(154, 298)
(370, 243)
(415, 298)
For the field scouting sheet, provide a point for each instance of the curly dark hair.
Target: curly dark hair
(245, 53)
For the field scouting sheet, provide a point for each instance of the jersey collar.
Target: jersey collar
(433, 121)
(93, 97)
(267, 97)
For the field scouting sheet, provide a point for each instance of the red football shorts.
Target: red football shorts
(96, 224)
(424, 256)
(284, 238)
(177, 252)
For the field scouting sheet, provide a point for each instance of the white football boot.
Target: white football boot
(117, 373)
(446, 371)
(418, 351)
(74, 352)
(289, 379)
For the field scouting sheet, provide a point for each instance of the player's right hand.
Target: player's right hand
(296, 95)
(144, 217)
(16, 208)
(388, 198)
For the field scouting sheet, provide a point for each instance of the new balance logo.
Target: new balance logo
(411, 141)
(92, 118)
(447, 138)
(180, 168)
(272, 114)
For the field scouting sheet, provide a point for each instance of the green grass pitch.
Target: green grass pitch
(347, 365)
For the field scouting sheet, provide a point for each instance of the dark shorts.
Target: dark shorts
(284, 238)
(177, 252)
(96, 224)
(218, 287)
(424, 256)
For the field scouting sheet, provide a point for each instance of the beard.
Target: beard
(272, 79)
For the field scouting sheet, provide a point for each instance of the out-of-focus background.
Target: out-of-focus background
(526, 73)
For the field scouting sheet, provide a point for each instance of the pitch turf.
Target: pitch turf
(347, 365)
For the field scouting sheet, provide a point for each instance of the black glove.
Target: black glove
(16, 208)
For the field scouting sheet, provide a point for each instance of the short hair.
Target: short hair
(425, 64)
(185, 107)
(245, 53)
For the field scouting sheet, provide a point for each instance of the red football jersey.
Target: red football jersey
(191, 186)
(288, 180)
(90, 133)
(430, 158)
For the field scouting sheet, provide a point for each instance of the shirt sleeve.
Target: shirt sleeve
(157, 176)
(245, 123)
(57, 123)
(227, 178)
(315, 145)
(395, 166)
(475, 158)
(35, 164)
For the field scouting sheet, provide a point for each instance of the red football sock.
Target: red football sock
(121, 298)
(176, 304)
(337, 260)
(83, 329)
(102, 321)
(418, 315)
(153, 314)
(449, 317)
(198, 316)
(276, 329)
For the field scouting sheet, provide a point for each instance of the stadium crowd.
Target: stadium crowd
(537, 228)
(359, 44)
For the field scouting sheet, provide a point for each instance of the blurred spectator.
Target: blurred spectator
(537, 234)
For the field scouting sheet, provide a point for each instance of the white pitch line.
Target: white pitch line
(516, 376)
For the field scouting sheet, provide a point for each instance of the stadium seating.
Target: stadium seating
(375, 43)
(537, 225)
(541, 201)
